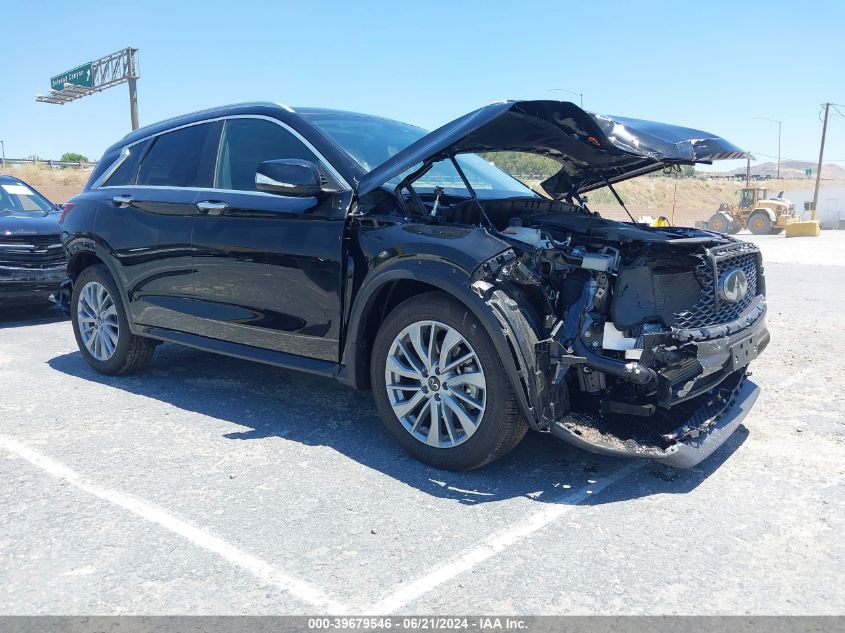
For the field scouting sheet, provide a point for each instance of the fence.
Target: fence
(55, 164)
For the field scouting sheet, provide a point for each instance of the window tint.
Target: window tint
(248, 142)
(183, 158)
(128, 170)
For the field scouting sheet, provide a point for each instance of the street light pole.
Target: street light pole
(580, 94)
(3, 149)
(780, 124)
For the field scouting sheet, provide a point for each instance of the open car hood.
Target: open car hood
(591, 148)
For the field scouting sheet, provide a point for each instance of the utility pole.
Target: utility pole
(821, 157)
(748, 172)
(3, 149)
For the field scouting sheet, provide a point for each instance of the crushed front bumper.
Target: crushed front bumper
(702, 399)
(684, 453)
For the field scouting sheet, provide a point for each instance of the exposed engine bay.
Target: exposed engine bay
(639, 337)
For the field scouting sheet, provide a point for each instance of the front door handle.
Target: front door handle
(210, 207)
(122, 201)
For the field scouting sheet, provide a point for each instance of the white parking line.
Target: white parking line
(255, 566)
(496, 543)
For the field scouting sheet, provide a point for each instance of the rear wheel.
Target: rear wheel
(720, 222)
(760, 223)
(440, 388)
(101, 327)
(776, 231)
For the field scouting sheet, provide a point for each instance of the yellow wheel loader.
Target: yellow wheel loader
(756, 211)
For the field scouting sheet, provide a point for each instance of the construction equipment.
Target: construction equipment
(650, 220)
(756, 211)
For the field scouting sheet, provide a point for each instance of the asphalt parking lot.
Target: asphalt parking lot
(209, 485)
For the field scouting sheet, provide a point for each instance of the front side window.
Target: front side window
(182, 158)
(249, 142)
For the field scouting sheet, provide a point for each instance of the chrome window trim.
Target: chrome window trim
(201, 189)
(125, 153)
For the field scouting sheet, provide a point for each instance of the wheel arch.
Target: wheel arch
(381, 293)
(770, 212)
(85, 253)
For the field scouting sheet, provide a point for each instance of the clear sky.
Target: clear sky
(710, 65)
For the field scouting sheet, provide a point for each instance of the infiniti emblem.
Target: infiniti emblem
(733, 285)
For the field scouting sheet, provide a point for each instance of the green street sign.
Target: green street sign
(79, 76)
(808, 171)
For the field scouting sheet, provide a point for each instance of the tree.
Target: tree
(73, 157)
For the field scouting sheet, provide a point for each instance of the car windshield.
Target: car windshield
(370, 141)
(18, 199)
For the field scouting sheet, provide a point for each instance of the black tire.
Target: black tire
(132, 353)
(501, 426)
(776, 231)
(720, 222)
(760, 223)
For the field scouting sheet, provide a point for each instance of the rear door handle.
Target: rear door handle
(210, 207)
(122, 201)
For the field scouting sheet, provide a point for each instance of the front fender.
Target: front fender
(768, 211)
(457, 282)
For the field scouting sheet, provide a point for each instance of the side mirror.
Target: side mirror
(289, 176)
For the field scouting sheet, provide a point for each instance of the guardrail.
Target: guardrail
(56, 164)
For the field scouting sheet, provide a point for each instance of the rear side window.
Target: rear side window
(183, 158)
(248, 142)
(126, 173)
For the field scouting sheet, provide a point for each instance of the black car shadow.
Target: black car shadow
(29, 314)
(273, 402)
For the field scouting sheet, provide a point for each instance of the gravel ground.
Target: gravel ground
(209, 485)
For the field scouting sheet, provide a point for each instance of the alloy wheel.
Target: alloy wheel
(435, 384)
(96, 316)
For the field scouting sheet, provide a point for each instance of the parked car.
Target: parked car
(367, 250)
(32, 262)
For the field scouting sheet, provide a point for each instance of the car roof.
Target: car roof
(13, 180)
(257, 107)
(252, 107)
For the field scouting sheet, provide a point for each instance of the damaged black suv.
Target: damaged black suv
(367, 250)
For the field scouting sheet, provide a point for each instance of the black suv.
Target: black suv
(32, 262)
(367, 250)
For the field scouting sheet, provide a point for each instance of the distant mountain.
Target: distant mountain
(793, 169)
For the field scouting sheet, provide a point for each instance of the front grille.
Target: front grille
(709, 309)
(31, 251)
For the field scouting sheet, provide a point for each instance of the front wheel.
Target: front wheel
(760, 223)
(101, 327)
(720, 222)
(440, 387)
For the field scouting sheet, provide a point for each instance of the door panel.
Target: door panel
(149, 216)
(268, 271)
(267, 268)
(150, 239)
